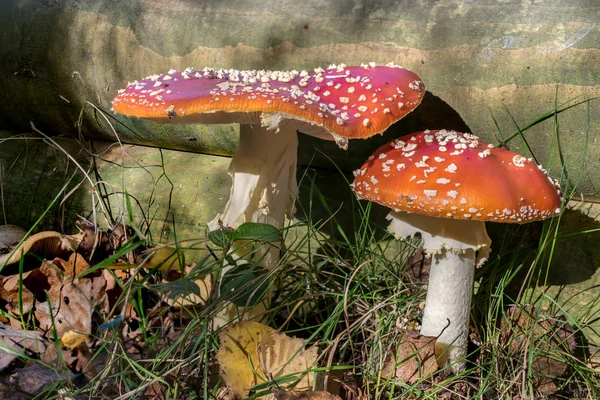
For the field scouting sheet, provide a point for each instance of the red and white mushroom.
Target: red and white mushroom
(337, 103)
(443, 185)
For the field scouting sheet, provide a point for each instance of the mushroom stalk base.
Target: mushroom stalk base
(455, 247)
(263, 189)
(448, 305)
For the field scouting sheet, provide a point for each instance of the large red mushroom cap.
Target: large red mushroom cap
(448, 174)
(340, 101)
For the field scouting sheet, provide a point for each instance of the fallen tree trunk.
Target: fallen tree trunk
(63, 61)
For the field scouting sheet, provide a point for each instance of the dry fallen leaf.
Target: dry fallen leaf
(204, 285)
(85, 363)
(253, 353)
(308, 395)
(410, 359)
(229, 312)
(237, 355)
(10, 236)
(58, 358)
(594, 358)
(94, 243)
(74, 266)
(70, 301)
(72, 339)
(118, 237)
(164, 258)
(154, 392)
(280, 355)
(18, 298)
(549, 337)
(33, 378)
(225, 393)
(15, 342)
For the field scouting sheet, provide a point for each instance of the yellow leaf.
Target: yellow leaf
(72, 339)
(204, 285)
(163, 257)
(252, 353)
(166, 258)
(280, 355)
(237, 355)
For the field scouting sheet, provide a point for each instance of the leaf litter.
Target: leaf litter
(62, 304)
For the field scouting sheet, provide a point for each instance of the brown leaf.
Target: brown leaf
(118, 237)
(16, 294)
(111, 282)
(410, 359)
(94, 244)
(37, 283)
(19, 304)
(70, 302)
(85, 363)
(111, 293)
(99, 295)
(15, 323)
(11, 283)
(451, 390)
(18, 341)
(549, 337)
(154, 392)
(74, 266)
(10, 236)
(59, 358)
(225, 393)
(594, 359)
(308, 395)
(33, 378)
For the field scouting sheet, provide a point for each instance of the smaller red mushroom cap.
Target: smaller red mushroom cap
(350, 102)
(448, 174)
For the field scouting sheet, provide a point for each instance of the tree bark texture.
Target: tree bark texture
(479, 61)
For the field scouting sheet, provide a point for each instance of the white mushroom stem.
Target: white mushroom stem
(263, 173)
(456, 247)
(448, 305)
(263, 189)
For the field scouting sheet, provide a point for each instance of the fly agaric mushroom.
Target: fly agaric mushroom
(444, 185)
(338, 103)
